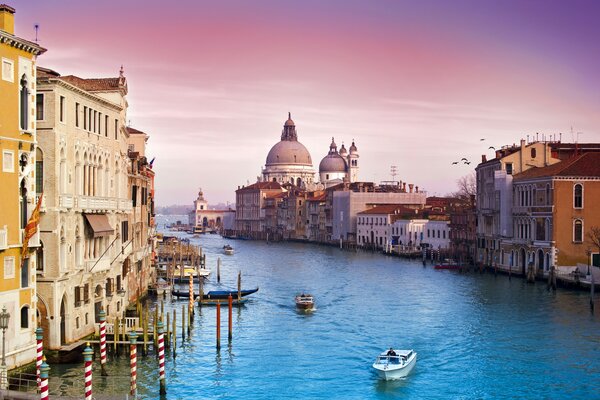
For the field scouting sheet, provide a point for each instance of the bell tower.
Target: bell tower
(353, 163)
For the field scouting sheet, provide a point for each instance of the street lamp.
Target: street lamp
(121, 292)
(4, 317)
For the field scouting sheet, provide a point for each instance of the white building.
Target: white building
(421, 232)
(338, 167)
(85, 239)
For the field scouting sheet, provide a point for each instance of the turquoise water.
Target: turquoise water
(477, 336)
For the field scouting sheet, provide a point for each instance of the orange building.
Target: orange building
(554, 209)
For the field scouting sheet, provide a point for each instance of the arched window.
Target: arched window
(578, 196)
(39, 171)
(24, 101)
(578, 231)
(25, 317)
(533, 153)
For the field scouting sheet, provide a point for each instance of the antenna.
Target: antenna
(393, 172)
(37, 28)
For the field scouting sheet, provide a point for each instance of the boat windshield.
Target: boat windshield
(390, 359)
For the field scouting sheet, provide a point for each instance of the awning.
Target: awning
(99, 224)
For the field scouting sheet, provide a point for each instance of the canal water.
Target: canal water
(477, 336)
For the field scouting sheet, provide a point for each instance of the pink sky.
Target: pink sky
(416, 84)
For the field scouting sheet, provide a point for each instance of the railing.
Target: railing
(99, 203)
(66, 201)
(4, 238)
(125, 325)
(22, 382)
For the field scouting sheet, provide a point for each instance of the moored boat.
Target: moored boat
(395, 364)
(448, 264)
(216, 294)
(305, 301)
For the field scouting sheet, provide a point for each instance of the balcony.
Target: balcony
(66, 201)
(43, 203)
(95, 203)
(96, 266)
(4, 238)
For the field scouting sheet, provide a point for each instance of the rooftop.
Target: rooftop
(587, 164)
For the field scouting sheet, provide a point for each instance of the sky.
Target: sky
(416, 84)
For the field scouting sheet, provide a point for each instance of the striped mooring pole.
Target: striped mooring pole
(161, 358)
(39, 336)
(44, 369)
(102, 316)
(133, 362)
(191, 302)
(87, 359)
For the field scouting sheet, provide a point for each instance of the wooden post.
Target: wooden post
(162, 307)
(201, 291)
(592, 284)
(161, 359)
(174, 333)
(102, 316)
(218, 269)
(168, 326)
(87, 359)
(239, 286)
(39, 336)
(230, 335)
(133, 363)
(218, 324)
(183, 322)
(116, 336)
(145, 333)
(155, 322)
(44, 370)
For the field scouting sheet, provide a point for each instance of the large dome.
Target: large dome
(332, 163)
(289, 152)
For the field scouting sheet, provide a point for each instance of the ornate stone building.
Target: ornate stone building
(338, 167)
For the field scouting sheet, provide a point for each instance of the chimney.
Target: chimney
(410, 186)
(404, 187)
(483, 158)
(7, 19)
(416, 189)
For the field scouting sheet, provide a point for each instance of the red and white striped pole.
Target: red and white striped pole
(44, 369)
(87, 359)
(161, 358)
(39, 336)
(133, 362)
(191, 303)
(102, 316)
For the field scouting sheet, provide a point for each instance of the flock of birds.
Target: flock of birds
(466, 161)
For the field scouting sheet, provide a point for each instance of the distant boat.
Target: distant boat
(215, 294)
(227, 249)
(448, 264)
(305, 301)
(394, 364)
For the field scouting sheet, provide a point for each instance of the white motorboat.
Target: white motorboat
(395, 364)
(227, 249)
(305, 301)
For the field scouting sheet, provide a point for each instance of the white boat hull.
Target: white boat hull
(394, 371)
(228, 252)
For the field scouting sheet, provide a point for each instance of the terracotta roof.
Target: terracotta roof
(96, 84)
(321, 197)
(134, 131)
(587, 164)
(262, 185)
(46, 73)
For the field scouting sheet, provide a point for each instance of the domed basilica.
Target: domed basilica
(289, 162)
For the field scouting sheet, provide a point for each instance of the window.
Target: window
(8, 161)
(61, 109)
(39, 258)
(25, 317)
(39, 106)
(106, 125)
(130, 148)
(124, 231)
(25, 273)
(134, 195)
(39, 171)
(578, 231)
(509, 168)
(533, 153)
(8, 70)
(9, 267)
(94, 118)
(116, 129)
(85, 114)
(24, 102)
(77, 115)
(86, 294)
(578, 196)
(99, 123)
(77, 296)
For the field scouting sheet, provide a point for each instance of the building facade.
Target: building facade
(202, 218)
(18, 196)
(85, 227)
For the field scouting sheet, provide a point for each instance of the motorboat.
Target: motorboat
(394, 364)
(448, 264)
(189, 271)
(305, 301)
(227, 249)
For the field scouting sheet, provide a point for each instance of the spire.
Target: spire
(289, 130)
(121, 72)
(332, 146)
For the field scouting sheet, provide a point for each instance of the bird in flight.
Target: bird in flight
(492, 147)
(455, 162)
(481, 140)
(463, 159)
(467, 162)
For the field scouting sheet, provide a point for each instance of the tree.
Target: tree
(594, 237)
(467, 187)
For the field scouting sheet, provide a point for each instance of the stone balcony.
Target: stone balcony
(95, 203)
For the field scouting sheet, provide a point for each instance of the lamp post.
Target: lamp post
(4, 317)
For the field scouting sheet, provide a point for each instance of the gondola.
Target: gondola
(215, 294)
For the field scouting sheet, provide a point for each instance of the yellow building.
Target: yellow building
(17, 187)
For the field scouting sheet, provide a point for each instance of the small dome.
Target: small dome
(343, 151)
(332, 162)
(353, 149)
(332, 146)
(289, 152)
